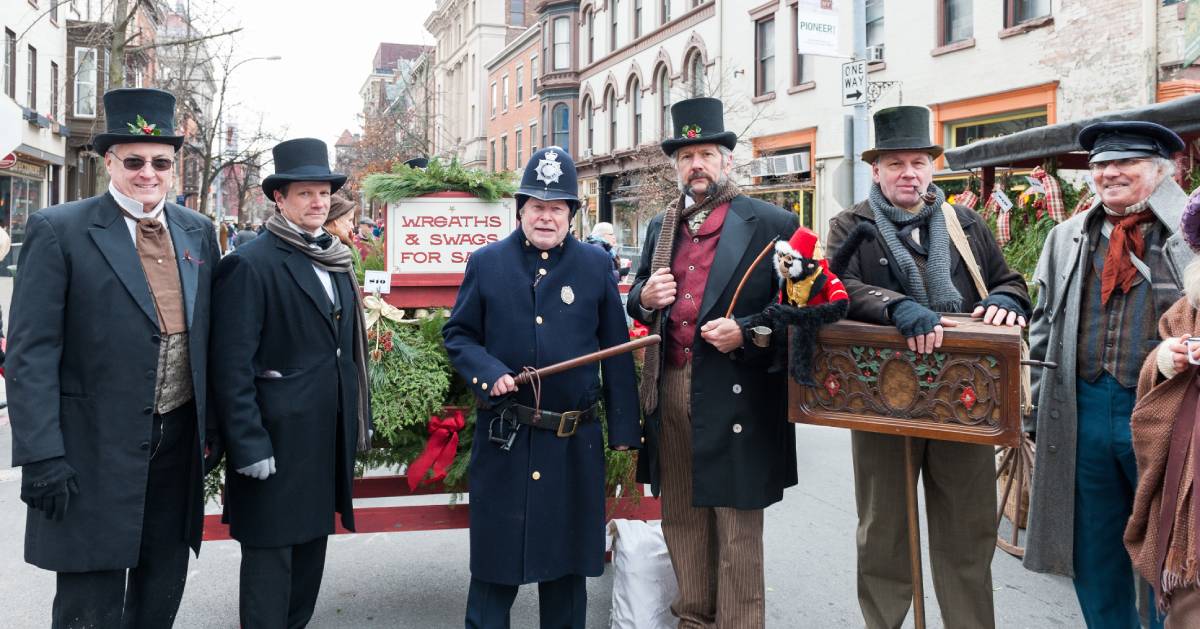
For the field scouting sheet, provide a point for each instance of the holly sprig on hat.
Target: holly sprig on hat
(690, 131)
(141, 127)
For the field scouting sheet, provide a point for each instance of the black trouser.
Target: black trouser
(148, 595)
(562, 603)
(280, 585)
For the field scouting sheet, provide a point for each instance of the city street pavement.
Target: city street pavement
(419, 580)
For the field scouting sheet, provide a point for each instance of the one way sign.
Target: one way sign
(854, 83)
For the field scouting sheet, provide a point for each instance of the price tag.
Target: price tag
(1003, 201)
(377, 282)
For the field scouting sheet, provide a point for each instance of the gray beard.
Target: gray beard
(686, 188)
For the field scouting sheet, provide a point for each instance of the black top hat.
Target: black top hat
(138, 115)
(417, 162)
(302, 159)
(698, 121)
(550, 176)
(903, 128)
(1106, 141)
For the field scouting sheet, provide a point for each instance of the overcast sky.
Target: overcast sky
(326, 50)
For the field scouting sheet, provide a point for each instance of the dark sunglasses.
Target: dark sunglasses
(161, 164)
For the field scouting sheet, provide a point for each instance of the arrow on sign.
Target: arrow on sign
(855, 95)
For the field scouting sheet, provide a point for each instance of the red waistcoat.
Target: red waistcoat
(690, 265)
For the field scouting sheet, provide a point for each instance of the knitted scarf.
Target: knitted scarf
(935, 290)
(663, 248)
(1172, 562)
(338, 258)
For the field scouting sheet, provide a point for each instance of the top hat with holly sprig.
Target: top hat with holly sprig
(138, 115)
(698, 121)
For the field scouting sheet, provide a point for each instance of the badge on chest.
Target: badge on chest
(568, 295)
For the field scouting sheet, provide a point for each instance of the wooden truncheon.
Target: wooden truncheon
(867, 379)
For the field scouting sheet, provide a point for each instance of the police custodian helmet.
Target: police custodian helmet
(550, 176)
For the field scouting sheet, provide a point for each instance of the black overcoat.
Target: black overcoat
(81, 373)
(743, 447)
(284, 385)
(872, 279)
(538, 510)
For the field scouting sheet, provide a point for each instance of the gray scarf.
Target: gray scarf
(338, 258)
(936, 289)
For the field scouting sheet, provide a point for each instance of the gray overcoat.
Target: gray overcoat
(1052, 336)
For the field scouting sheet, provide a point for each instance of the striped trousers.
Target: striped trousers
(717, 553)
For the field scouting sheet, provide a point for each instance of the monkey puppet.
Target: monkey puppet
(812, 296)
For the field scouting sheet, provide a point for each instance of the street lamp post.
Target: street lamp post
(220, 178)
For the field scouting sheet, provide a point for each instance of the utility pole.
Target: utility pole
(862, 171)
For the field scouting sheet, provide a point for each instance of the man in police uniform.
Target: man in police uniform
(536, 298)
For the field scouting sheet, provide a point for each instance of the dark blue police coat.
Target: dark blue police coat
(537, 511)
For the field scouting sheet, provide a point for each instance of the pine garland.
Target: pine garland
(405, 182)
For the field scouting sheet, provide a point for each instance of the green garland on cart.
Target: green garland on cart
(405, 182)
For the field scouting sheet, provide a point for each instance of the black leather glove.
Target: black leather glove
(913, 319)
(1000, 300)
(214, 451)
(47, 486)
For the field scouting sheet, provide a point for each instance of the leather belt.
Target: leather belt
(563, 424)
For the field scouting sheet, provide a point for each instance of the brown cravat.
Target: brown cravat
(158, 261)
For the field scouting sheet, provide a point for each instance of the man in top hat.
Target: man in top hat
(1104, 279)
(537, 463)
(290, 389)
(106, 376)
(907, 276)
(718, 443)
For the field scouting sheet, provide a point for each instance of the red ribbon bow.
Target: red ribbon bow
(439, 450)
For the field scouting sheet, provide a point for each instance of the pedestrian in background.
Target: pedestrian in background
(604, 237)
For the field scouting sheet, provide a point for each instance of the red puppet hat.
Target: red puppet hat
(803, 243)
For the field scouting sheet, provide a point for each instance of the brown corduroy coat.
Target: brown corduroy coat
(1158, 403)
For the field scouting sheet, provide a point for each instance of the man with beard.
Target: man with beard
(1104, 279)
(906, 277)
(718, 443)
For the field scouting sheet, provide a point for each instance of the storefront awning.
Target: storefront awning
(1030, 147)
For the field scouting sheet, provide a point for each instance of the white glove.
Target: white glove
(260, 470)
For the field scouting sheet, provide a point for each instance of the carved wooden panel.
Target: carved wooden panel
(868, 379)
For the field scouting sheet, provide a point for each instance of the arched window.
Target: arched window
(635, 99)
(590, 20)
(589, 116)
(612, 120)
(562, 126)
(696, 74)
(664, 102)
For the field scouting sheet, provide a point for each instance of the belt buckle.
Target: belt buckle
(571, 416)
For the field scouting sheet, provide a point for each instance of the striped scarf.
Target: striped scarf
(663, 248)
